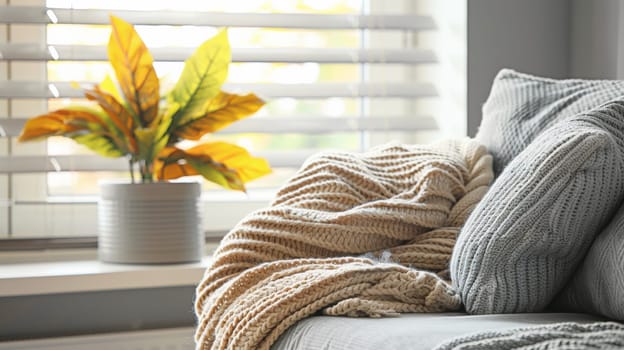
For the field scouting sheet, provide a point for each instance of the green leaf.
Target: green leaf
(152, 140)
(100, 144)
(118, 115)
(134, 68)
(145, 139)
(202, 77)
(165, 135)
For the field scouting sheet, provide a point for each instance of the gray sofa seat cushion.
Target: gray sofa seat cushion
(408, 331)
(521, 106)
(525, 238)
(598, 285)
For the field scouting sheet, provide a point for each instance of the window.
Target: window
(337, 75)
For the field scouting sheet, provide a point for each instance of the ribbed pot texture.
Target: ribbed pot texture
(151, 223)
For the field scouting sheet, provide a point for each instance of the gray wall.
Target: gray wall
(531, 36)
(553, 38)
(597, 39)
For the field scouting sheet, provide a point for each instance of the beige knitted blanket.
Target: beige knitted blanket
(350, 234)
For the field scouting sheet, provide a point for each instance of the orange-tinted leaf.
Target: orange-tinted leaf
(233, 157)
(170, 164)
(223, 110)
(118, 114)
(173, 163)
(63, 122)
(85, 127)
(133, 65)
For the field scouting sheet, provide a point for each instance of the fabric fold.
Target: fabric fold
(350, 234)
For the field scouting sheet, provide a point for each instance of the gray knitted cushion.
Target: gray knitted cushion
(525, 238)
(598, 285)
(520, 106)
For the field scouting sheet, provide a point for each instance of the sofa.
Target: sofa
(408, 331)
(535, 258)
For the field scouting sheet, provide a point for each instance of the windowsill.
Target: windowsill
(90, 275)
(262, 195)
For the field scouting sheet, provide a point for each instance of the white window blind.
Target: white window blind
(336, 75)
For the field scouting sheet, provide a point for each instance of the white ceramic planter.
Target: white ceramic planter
(152, 223)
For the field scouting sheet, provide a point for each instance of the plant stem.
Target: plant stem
(146, 171)
(130, 163)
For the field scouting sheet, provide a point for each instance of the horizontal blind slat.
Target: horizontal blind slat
(37, 15)
(325, 125)
(29, 89)
(34, 52)
(38, 164)
(294, 124)
(35, 164)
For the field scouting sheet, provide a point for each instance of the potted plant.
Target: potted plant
(153, 220)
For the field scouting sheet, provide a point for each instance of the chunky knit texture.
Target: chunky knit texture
(521, 106)
(560, 336)
(597, 287)
(532, 229)
(401, 206)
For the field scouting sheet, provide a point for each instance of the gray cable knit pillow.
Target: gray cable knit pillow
(520, 106)
(525, 238)
(598, 285)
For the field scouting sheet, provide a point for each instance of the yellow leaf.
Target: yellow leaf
(201, 79)
(133, 65)
(108, 86)
(223, 110)
(227, 165)
(118, 114)
(234, 157)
